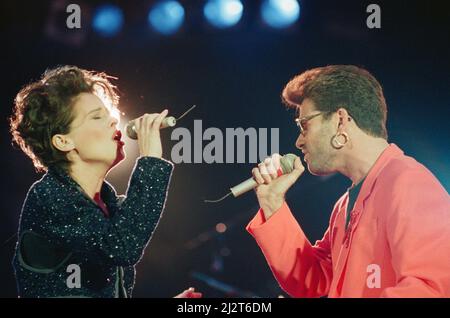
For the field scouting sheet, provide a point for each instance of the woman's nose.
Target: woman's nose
(114, 121)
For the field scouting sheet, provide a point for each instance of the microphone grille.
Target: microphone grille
(287, 162)
(131, 132)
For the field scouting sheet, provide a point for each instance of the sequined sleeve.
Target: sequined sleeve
(122, 238)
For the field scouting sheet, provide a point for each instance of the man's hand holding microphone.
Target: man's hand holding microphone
(272, 186)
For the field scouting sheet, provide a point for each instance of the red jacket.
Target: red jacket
(397, 243)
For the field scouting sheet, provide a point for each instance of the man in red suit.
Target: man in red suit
(389, 234)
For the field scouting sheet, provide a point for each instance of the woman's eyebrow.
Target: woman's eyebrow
(95, 110)
(92, 111)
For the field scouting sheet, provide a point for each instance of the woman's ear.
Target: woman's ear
(63, 143)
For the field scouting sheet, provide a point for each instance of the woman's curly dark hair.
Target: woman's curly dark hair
(44, 108)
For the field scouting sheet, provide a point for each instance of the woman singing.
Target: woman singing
(77, 237)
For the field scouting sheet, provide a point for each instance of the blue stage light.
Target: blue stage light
(223, 13)
(280, 13)
(166, 17)
(107, 20)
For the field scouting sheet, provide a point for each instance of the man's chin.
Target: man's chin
(315, 171)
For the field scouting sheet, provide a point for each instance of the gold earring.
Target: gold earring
(336, 143)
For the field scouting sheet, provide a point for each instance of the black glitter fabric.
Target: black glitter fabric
(60, 225)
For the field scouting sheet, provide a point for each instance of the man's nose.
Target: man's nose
(300, 142)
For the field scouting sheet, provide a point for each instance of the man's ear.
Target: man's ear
(344, 118)
(63, 143)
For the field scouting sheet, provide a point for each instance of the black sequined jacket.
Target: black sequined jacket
(63, 233)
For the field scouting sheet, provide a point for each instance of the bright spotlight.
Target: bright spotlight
(108, 20)
(223, 13)
(280, 13)
(166, 17)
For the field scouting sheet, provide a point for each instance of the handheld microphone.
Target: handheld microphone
(131, 128)
(167, 122)
(287, 166)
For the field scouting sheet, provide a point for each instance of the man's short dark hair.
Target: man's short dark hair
(347, 86)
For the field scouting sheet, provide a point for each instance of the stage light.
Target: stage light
(280, 13)
(107, 20)
(166, 17)
(223, 13)
(221, 228)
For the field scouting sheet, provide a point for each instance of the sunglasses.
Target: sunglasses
(301, 122)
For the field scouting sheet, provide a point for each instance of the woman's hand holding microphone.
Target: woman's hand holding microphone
(148, 131)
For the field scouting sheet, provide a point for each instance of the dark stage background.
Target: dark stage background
(235, 77)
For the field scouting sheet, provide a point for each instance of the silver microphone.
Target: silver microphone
(131, 128)
(287, 166)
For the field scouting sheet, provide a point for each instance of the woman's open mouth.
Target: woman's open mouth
(117, 137)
